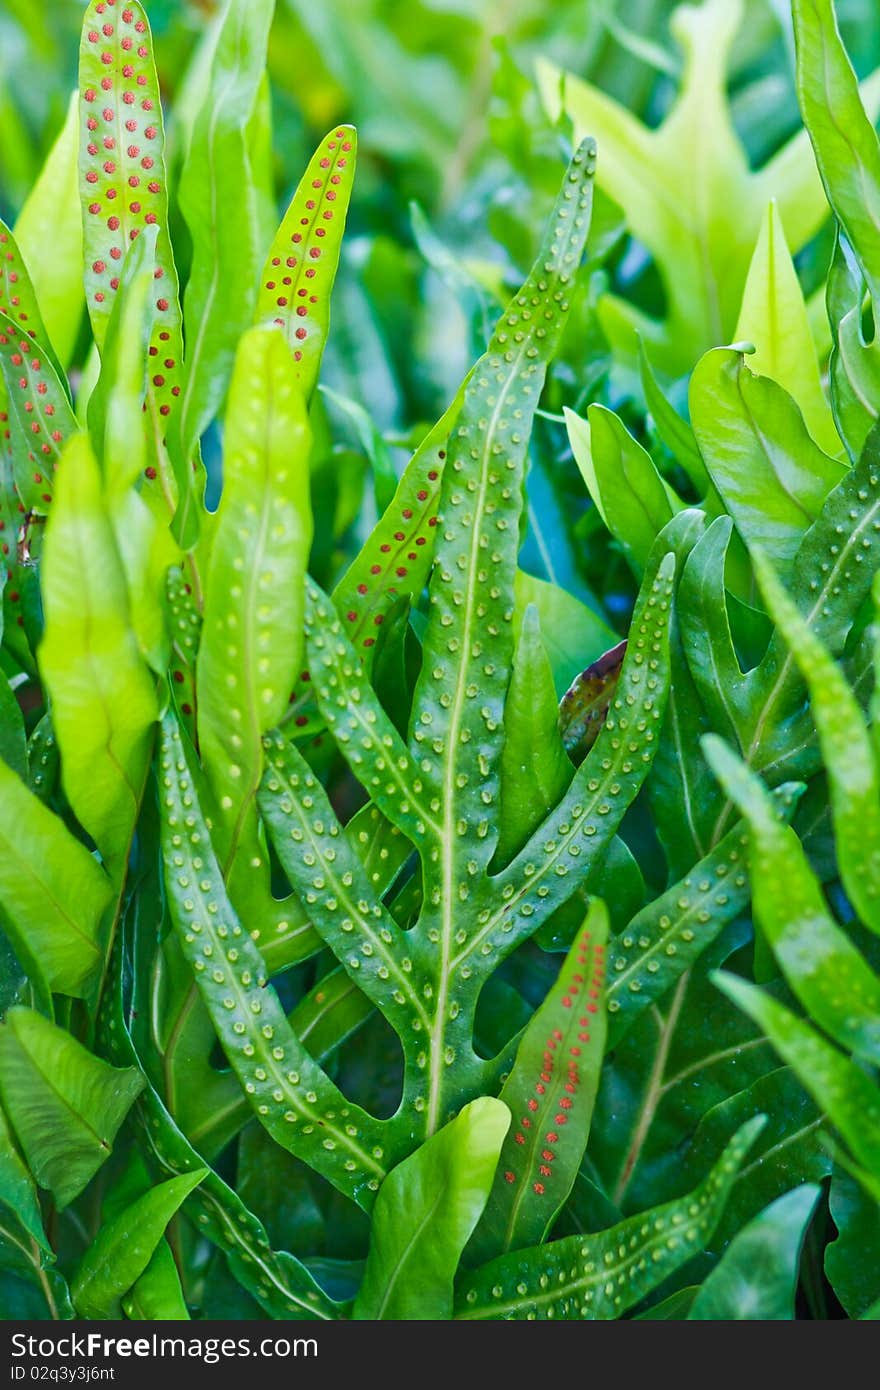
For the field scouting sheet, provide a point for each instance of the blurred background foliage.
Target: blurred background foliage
(457, 167)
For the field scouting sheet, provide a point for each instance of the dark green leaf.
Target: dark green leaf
(838, 1085)
(64, 1104)
(123, 1248)
(601, 1276)
(758, 1272)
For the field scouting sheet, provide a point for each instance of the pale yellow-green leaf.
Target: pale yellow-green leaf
(633, 500)
(687, 190)
(117, 421)
(104, 702)
(52, 892)
(49, 233)
(773, 316)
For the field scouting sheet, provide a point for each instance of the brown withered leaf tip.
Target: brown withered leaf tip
(584, 706)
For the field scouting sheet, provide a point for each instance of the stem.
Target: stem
(44, 1283)
(812, 1277)
(653, 1090)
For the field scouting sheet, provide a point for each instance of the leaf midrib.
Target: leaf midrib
(447, 855)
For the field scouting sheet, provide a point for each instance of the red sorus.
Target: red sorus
(538, 1187)
(509, 1176)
